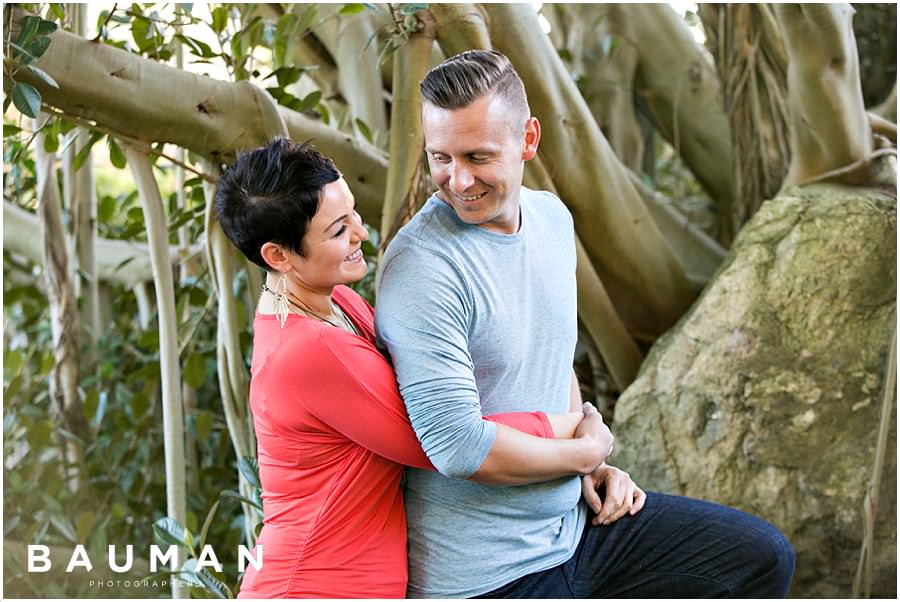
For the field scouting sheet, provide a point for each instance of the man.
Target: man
(477, 307)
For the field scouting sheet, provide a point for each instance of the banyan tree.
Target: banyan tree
(731, 173)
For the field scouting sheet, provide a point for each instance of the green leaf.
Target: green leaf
(85, 151)
(116, 156)
(106, 208)
(41, 75)
(63, 525)
(249, 467)
(203, 422)
(26, 99)
(307, 19)
(167, 531)
(58, 10)
(219, 18)
(236, 496)
(46, 27)
(310, 101)
(206, 524)
(198, 47)
(204, 580)
(352, 9)
(140, 32)
(10, 130)
(38, 47)
(30, 25)
(364, 129)
(195, 371)
(84, 524)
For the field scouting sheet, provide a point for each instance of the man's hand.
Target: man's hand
(593, 429)
(621, 495)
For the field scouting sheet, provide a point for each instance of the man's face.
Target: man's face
(476, 155)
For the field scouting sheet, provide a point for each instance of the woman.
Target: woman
(332, 432)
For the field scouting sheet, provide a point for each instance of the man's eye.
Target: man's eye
(441, 158)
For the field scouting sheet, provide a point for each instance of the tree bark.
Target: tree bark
(64, 318)
(234, 381)
(645, 281)
(170, 370)
(752, 66)
(120, 261)
(678, 84)
(830, 133)
(143, 100)
(407, 185)
(346, 38)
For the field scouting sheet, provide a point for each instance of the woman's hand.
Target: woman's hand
(621, 495)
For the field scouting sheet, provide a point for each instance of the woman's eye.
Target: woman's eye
(340, 231)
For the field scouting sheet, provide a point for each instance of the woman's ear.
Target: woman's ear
(275, 256)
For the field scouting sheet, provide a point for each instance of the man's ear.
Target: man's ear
(275, 256)
(531, 139)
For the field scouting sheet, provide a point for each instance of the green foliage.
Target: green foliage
(31, 43)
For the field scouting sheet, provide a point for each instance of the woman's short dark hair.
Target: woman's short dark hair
(270, 194)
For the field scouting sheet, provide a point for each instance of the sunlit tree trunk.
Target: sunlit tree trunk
(830, 133)
(170, 369)
(64, 375)
(133, 98)
(78, 187)
(646, 283)
(407, 186)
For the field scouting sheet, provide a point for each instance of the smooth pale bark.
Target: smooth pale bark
(829, 129)
(697, 252)
(64, 319)
(407, 187)
(118, 261)
(81, 196)
(610, 71)
(234, 380)
(644, 279)
(460, 27)
(170, 369)
(752, 65)
(345, 37)
(678, 84)
(143, 100)
(600, 319)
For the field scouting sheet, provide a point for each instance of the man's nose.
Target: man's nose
(461, 178)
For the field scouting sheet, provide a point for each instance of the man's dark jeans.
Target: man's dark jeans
(675, 547)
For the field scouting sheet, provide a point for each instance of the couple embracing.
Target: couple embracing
(463, 375)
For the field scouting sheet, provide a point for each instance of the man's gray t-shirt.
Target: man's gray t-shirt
(479, 323)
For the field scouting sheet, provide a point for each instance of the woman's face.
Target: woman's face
(333, 243)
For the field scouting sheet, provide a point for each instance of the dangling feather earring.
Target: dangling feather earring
(281, 300)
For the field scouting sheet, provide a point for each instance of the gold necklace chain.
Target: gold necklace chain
(298, 304)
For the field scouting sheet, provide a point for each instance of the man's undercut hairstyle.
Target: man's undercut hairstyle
(464, 78)
(270, 194)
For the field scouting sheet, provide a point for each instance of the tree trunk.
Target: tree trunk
(234, 381)
(64, 318)
(141, 99)
(407, 186)
(830, 134)
(751, 61)
(120, 261)
(678, 84)
(170, 370)
(645, 281)
(345, 38)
